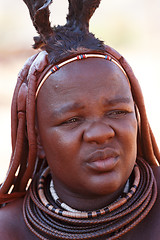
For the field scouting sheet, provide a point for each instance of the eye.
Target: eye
(72, 121)
(117, 113)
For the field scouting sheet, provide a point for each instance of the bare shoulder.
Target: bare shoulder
(12, 225)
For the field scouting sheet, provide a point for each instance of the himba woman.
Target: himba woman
(85, 162)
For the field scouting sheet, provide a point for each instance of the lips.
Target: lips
(103, 160)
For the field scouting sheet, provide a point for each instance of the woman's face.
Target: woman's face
(88, 127)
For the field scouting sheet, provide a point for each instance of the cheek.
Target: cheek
(62, 154)
(59, 145)
(127, 142)
(128, 138)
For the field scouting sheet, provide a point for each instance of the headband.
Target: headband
(54, 68)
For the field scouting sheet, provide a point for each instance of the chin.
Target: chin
(112, 189)
(103, 188)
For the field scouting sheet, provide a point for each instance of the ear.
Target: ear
(40, 150)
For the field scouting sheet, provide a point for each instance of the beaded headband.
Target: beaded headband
(54, 68)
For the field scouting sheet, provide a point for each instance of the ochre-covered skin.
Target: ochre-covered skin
(91, 137)
(91, 123)
(88, 124)
(13, 227)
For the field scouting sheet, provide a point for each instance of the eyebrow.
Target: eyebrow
(68, 107)
(117, 100)
(73, 106)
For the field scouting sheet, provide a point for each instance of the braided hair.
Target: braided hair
(60, 42)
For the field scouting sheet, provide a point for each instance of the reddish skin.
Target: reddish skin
(96, 128)
(101, 125)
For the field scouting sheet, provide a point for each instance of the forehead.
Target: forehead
(88, 78)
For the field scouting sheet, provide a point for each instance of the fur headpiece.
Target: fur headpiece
(72, 38)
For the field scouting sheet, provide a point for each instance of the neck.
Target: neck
(84, 202)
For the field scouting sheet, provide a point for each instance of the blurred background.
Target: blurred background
(132, 27)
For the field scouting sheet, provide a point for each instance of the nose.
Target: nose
(98, 132)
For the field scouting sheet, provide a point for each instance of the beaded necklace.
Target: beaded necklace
(63, 205)
(49, 221)
(70, 212)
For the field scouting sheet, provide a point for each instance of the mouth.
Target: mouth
(103, 160)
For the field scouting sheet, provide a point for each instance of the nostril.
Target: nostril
(98, 132)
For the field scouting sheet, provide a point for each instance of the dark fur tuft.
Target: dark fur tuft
(39, 12)
(68, 43)
(62, 41)
(80, 12)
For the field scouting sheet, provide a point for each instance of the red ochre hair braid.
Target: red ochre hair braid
(32, 139)
(24, 145)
